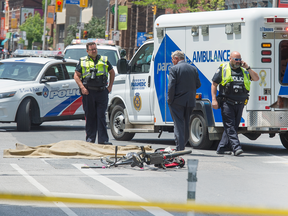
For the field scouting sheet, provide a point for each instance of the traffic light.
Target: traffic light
(59, 6)
(83, 3)
(85, 34)
(154, 9)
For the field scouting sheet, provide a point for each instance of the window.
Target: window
(57, 71)
(142, 60)
(283, 64)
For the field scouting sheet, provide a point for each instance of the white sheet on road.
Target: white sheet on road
(71, 149)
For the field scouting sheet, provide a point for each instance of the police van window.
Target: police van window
(75, 53)
(111, 55)
(142, 60)
(283, 56)
(71, 70)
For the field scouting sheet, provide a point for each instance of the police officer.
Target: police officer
(234, 80)
(91, 75)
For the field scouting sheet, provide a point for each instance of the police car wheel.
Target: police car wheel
(23, 118)
(117, 124)
(284, 139)
(199, 137)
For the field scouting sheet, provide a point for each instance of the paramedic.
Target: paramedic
(91, 75)
(183, 82)
(234, 80)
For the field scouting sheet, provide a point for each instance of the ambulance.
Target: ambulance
(138, 101)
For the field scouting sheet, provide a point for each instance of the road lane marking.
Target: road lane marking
(124, 192)
(44, 190)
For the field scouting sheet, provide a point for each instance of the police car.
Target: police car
(35, 90)
(104, 48)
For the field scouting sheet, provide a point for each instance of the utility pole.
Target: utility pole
(44, 30)
(108, 20)
(115, 19)
(80, 20)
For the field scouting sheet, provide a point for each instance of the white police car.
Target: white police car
(104, 48)
(34, 90)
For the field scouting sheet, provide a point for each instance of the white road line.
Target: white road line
(44, 190)
(283, 160)
(124, 192)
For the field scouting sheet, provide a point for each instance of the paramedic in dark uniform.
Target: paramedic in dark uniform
(234, 80)
(91, 75)
(183, 82)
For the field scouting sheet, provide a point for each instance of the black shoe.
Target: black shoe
(106, 143)
(238, 152)
(224, 152)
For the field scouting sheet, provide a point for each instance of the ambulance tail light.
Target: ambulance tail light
(198, 96)
(286, 28)
(266, 60)
(266, 52)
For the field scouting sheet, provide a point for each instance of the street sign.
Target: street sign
(140, 38)
(73, 2)
(77, 35)
(115, 35)
(24, 35)
(80, 25)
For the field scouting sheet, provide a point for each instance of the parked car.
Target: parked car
(35, 90)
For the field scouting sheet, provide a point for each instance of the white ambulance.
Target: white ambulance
(138, 101)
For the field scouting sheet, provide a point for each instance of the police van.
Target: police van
(34, 90)
(138, 101)
(77, 49)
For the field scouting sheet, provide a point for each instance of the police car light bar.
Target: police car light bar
(36, 53)
(98, 41)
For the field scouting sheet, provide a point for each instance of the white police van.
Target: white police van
(77, 49)
(138, 101)
(35, 90)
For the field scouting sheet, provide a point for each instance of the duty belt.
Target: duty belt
(232, 102)
(96, 88)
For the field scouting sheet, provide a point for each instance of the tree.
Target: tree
(191, 5)
(205, 5)
(95, 28)
(43, 4)
(33, 26)
(162, 4)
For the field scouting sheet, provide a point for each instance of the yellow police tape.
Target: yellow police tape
(174, 207)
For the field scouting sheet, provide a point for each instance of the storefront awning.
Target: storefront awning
(4, 41)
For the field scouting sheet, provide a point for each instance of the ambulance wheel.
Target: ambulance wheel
(284, 139)
(23, 117)
(199, 137)
(117, 124)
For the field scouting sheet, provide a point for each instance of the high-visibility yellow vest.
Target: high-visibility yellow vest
(226, 76)
(87, 63)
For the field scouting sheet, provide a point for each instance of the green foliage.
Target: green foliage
(34, 29)
(95, 27)
(162, 4)
(71, 34)
(43, 4)
(205, 5)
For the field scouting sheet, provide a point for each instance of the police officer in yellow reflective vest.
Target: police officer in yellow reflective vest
(234, 80)
(91, 75)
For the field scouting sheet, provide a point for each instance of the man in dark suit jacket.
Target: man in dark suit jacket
(183, 82)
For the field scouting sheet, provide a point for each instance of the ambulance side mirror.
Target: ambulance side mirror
(122, 66)
(122, 53)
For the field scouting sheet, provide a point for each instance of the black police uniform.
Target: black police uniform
(232, 97)
(95, 105)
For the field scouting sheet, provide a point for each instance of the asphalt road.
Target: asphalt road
(257, 178)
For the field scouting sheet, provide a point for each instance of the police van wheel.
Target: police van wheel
(199, 137)
(117, 124)
(23, 117)
(284, 139)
